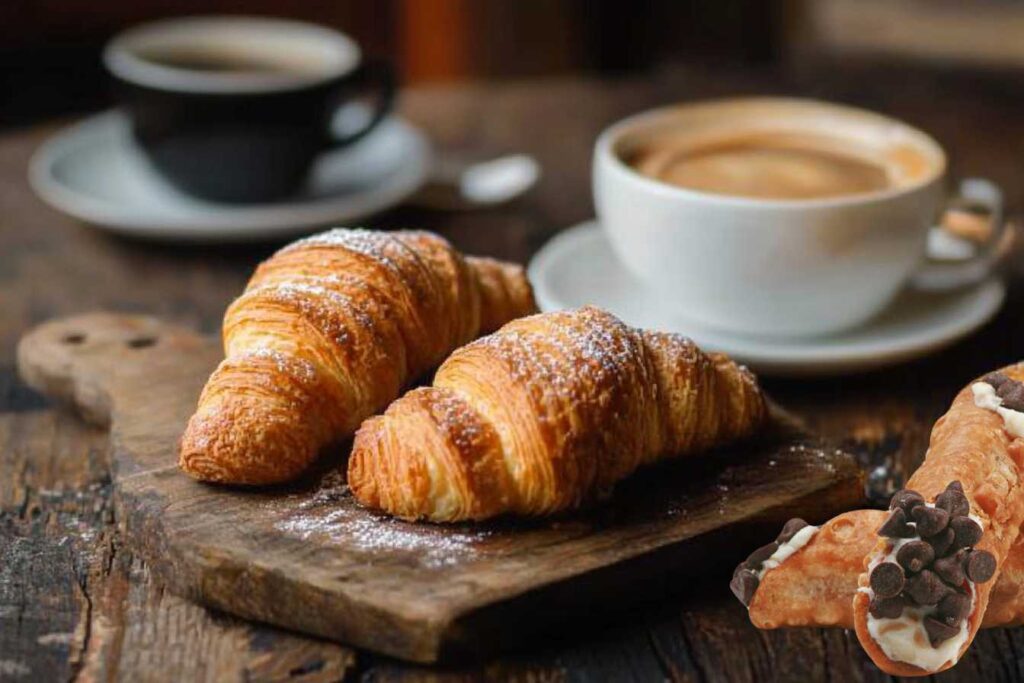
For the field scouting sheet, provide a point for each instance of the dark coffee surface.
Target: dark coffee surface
(218, 61)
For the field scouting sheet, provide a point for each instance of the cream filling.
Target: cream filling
(786, 550)
(985, 397)
(904, 639)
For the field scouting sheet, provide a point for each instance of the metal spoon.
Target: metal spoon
(459, 185)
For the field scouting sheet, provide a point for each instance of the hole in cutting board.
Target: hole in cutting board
(141, 342)
(73, 338)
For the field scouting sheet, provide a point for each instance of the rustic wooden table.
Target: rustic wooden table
(75, 600)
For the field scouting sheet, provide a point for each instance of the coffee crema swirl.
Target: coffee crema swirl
(779, 166)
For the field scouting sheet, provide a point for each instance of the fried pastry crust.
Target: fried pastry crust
(815, 586)
(968, 444)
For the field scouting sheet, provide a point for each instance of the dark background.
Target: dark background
(49, 49)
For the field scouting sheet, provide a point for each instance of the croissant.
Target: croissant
(328, 331)
(546, 413)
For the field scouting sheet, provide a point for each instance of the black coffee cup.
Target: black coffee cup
(236, 109)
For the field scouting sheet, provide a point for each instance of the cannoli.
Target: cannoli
(930, 568)
(815, 585)
(959, 516)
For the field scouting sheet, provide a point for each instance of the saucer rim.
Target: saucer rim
(223, 223)
(808, 356)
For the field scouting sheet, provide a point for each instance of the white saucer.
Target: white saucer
(94, 172)
(577, 267)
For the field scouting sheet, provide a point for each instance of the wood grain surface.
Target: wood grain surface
(307, 557)
(64, 568)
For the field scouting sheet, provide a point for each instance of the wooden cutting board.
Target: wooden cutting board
(308, 558)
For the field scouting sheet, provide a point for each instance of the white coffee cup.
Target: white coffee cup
(782, 267)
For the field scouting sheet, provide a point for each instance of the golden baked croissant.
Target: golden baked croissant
(546, 413)
(328, 331)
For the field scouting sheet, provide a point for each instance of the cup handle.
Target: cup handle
(974, 195)
(372, 76)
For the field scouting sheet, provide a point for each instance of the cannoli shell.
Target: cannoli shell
(970, 445)
(815, 586)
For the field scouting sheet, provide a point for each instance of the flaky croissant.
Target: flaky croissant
(549, 411)
(328, 331)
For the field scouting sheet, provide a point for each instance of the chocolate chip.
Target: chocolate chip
(954, 607)
(915, 556)
(925, 588)
(1012, 394)
(967, 532)
(790, 529)
(887, 608)
(906, 500)
(744, 584)
(941, 542)
(953, 500)
(950, 568)
(929, 521)
(939, 631)
(995, 379)
(980, 566)
(887, 580)
(757, 558)
(896, 526)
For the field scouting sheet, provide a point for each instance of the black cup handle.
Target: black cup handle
(375, 75)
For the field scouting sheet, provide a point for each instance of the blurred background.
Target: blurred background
(50, 47)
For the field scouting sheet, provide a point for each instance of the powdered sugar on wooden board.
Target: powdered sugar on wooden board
(330, 515)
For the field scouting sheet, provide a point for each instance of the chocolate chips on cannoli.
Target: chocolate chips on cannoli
(744, 584)
(790, 529)
(942, 542)
(1012, 394)
(757, 558)
(980, 566)
(995, 379)
(887, 580)
(953, 501)
(915, 556)
(966, 532)
(887, 608)
(929, 521)
(1010, 391)
(954, 607)
(906, 500)
(744, 580)
(931, 570)
(926, 588)
(896, 526)
(938, 630)
(950, 568)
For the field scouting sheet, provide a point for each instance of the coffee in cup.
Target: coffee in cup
(775, 216)
(772, 165)
(237, 108)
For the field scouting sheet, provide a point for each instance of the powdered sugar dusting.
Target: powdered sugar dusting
(584, 340)
(298, 368)
(331, 515)
(323, 303)
(379, 246)
(356, 239)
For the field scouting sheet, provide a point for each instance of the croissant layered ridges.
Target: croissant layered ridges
(546, 414)
(327, 332)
